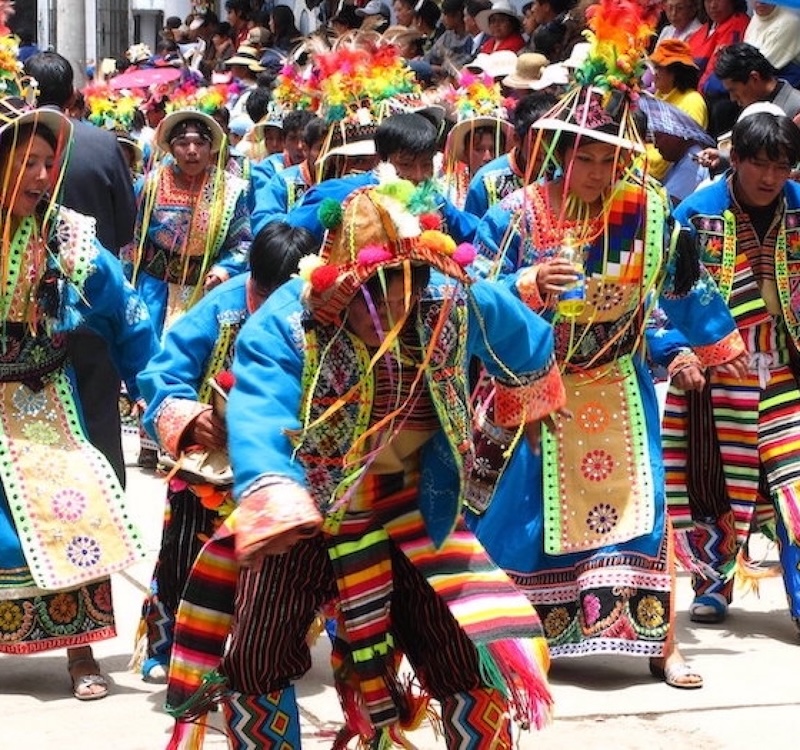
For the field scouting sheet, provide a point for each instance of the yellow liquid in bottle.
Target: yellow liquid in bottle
(572, 301)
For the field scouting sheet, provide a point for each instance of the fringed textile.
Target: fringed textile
(203, 622)
(495, 616)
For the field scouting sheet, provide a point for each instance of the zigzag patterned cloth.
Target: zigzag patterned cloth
(255, 722)
(476, 720)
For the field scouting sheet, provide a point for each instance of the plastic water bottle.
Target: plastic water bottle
(572, 301)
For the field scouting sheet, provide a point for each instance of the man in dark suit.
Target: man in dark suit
(97, 183)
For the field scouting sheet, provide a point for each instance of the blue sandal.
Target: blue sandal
(708, 608)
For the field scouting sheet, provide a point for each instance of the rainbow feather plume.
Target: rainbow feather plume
(619, 32)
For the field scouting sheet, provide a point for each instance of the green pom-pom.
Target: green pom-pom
(400, 190)
(330, 213)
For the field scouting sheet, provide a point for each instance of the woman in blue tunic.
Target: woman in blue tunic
(193, 230)
(581, 526)
(63, 526)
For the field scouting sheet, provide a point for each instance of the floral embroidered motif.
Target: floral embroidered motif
(556, 622)
(41, 432)
(607, 296)
(650, 612)
(29, 403)
(101, 597)
(135, 311)
(597, 465)
(602, 518)
(83, 551)
(10, 617)
(62, 608)
(591, 609)
(68, 505)
(593, 418)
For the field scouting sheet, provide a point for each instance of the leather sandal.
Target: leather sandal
(82, 685)
(675, 675)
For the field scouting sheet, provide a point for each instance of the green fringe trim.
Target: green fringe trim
(490, 672)
(202, 700)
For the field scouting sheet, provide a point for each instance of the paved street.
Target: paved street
(751, 697)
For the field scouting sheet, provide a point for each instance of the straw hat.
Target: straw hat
(15, 112)
(478, 103)
(590, 113)
(247, 56)
(528, 72)
(173, 119)
(495, 64)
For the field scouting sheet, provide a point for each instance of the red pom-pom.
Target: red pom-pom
(225, 380)
(323, 278)
(430, 221)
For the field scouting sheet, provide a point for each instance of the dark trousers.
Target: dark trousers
(98, 393)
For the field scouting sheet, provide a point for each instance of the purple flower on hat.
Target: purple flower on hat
(594, 116)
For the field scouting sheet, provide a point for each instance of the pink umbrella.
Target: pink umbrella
(142, 78)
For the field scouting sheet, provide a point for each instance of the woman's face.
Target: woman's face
(404, 13)
(31, 175)
(679, 13)
(590, 170)
(482, 147)
(192, 153)
(501, 26)
(719, 11)
(763, 9)
(663, 79)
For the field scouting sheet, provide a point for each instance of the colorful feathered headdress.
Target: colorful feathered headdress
(109, 108)
(360, 77)
(295, 89)
(602, 102)
(357, 83)
(477, 101)
(13, 82)
(619, 34)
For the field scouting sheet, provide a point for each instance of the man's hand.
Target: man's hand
(736, 368)
(533, 430)
(690, 378)
(211, 280)
(209, 431)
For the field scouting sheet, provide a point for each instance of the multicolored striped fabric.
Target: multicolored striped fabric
(203, 623)
(753, 419)
(732, 405)
(497, 619)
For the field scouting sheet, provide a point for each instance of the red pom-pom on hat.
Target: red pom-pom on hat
(430, 221)
(323, 278)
